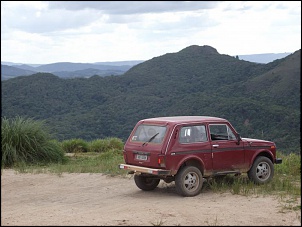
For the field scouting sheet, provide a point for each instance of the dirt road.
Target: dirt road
(96, 199)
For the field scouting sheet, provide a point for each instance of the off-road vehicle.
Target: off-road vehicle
(189, 149)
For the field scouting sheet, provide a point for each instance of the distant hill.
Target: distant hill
(66, 69)
(263, 58)
(260, 100)
(71, 70)
(8, 72)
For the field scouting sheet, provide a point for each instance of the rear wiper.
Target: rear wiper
(150, 139)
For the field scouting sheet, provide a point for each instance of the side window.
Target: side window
(192, 134)
(218, 132)
(185, 135)
(221, 132)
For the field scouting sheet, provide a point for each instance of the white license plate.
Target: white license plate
(141, 157)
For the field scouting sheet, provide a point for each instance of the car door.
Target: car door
(227, 154)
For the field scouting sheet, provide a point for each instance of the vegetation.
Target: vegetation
(75, 146)
(260, 100)
(25, 141)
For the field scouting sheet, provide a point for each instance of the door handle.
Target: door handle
(215, 145)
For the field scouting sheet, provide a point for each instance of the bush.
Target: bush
(75, 146)
(27, 141)
(291, 164)
(102, 145)
(115, 143)
(98, 145)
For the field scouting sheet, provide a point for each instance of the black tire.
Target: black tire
(262, 170)
(146, 183)
(188, 181)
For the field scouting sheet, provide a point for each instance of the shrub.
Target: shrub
(291, 164)
(98, 145)
(115, 143)
(102, 145)
(75, 146)
(27, 141)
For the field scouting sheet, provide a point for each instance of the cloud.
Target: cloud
(94, 31)
(133, 7)
(37, 18)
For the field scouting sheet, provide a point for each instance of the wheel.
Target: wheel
(262, 170)
(188, 181)
(146, 183)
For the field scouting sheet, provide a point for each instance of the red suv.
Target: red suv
(189, 149)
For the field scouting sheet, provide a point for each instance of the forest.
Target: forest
(260, 100)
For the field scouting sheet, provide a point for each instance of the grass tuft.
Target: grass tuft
(26, 141)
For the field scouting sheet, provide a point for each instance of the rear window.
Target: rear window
(151, 133)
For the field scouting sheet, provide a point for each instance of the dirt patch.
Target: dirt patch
(96, 199)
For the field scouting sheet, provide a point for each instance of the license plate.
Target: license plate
(141, 157)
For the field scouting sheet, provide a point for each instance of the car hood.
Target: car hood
(258, 142)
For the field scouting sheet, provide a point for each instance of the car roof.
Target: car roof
(183, 119)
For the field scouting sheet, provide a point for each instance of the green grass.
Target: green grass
(241, 185)
(88, 162)
(285, 185)
(26, 141)
(286, 180)
(75, 146)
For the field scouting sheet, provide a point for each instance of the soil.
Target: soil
(84, 199)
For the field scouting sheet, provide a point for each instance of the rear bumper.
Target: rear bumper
(141, 169)
(278, 161)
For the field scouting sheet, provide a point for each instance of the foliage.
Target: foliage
(291, 164)
(75, 146)
(89, 162)
(27, 141)
(102, 145)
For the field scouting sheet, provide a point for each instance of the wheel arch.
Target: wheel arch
(264, 153)
(192, 161)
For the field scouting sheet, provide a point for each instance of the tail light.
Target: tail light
(161, 161)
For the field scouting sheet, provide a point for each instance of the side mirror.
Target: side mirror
(238, 138)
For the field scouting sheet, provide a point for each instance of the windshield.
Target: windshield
(149, 133)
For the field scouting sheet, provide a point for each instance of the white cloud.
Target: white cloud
(44, 32)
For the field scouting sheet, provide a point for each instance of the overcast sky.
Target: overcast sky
(43, 32)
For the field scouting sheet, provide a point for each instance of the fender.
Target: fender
(190, 158)
(262, 152)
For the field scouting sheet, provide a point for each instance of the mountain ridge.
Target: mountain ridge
(181, 83)
(71, 70)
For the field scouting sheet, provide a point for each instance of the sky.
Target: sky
(44, 32)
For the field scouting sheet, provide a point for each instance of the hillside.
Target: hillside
(67, 69)
(8, 72)
(71, 70)
(260, 100)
